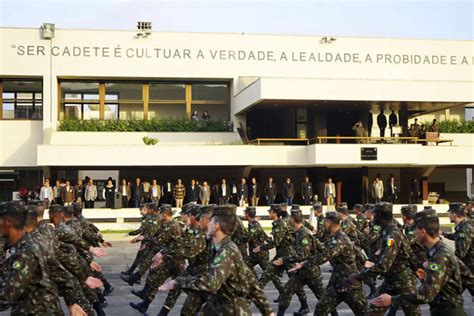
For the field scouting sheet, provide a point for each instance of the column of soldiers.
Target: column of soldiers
(45, 263)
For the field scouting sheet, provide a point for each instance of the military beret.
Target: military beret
(283, 205)
(426, 215)
(12, 207)
(167, 208)
(77, 206)
(368, 207)
(194, 210)
(408, 210)
(206, 211)
(186, 208)
(68, 210)
(317, 206)
(357, 206)
(333, 217)
(296, 211)
(456, 208)
(225, 210)
(343, 210)
(275, 208)
(55, 208)
(384, 210)
(251, 211)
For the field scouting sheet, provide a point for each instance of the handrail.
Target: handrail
(269, 140)
(366, 138)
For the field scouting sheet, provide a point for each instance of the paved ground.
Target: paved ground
(122, 254)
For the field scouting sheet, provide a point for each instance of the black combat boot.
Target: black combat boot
(141, 307)
(98, 309)
(304, 309)
(164, 311)
(140, 293)
(108, 288)
(131, 279)
(129, 271)
(373, 288)
(281, 312)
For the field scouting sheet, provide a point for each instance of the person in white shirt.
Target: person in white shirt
(46, 193)
(155, 191)
(377, 190)
(330, 192)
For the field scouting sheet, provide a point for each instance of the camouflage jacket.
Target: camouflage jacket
(168, 240)
(257, 237)
(340, 252)
(282, 239)
(193, 248)
(442, 288)
(229, 283)
(240, 237)
(139, 231)
(464, 241)
(361, 222)
(27, 287)
(420, 251)
(304, 249)
(321, 232)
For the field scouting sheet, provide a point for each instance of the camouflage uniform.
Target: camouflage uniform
(463, 238)
(27, 287)
(442, 288)
(321, 232)
(361, 222)
(392, 265)
(229, 283)
(240, 238)
(419, 250)
(257, 237)
(340, 253)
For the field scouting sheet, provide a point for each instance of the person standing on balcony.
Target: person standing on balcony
(193, 190)
(377, 190)
(288, 191)
(223, 193)
(270, 191)
(195, 116)
(155, 191)
(392, 189)
(434, 127)
(307, 191)
(124, 189)
(206, 116)
(79, 188)
(329, 192)
(90, 194)
(146, 191)
(382, 123)
(137, 192)
(57, 193)
(392, 121)
(205, 193)
(179, 193)
(68, 194)
(108, 193)
(254, 192)
(242, 192)
(360, 132)
(46, 193)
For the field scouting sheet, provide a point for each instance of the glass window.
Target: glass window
(210, 92)
(217, 112)
(167, 91)
(166, 111)
(22, 99)
(73, 111)
(79, 87)
(125, 90)
(8, 111)
(91, 111)
(111, 111)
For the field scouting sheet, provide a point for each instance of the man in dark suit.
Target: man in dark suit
(167, 191)
(137, 192)
(270, 191)
(223, 192)
(392, 189)
(254, 192)
(392, 121)
(370, 123)
(288, 191)
(382, 123)
(242, 192)
(307, 191)
(193, 192)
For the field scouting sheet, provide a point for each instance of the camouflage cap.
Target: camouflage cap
(206, 211)
(317, 206)
(333, 217)
(426, 215)
(194, 210)
(343, 210)
(283, 205)
(12, 207)
(167, 208)
(357, 206)
(68, 210)
(368, 207)
(384, 210)
(55, 208)
(187, 208)
(275, 208)
(225, 210)
(456, 208)
(408, 210)
(251, 211)
(296, 211)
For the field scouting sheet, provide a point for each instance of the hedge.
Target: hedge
(454, 126)
(153, 125)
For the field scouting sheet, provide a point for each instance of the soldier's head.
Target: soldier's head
(250, 212)
(357, 209)
(185, 212)
(296, 216)
(40, 208)
(343, 211)
(12, 220)
(408, 213)
(274, 212)
(426, 226)
(332, 221)
(166, 211)
(317, 208)
(31, 218)
(383, 213)
(193, 215)
(468, 206)
(77, 207)
(204, 215)
(55, 214)
(223, 221)
(456, 212)
(68, 213)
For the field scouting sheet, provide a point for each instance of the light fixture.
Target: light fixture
(143, 29)
(47, 30)
(327, 40)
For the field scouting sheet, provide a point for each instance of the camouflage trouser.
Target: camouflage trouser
(217, 307)
(193, 303)
(270, 273)
(138, 258)
(145, 261)
(332, 298)
(310, 277)
(403, 282)
(158, 276)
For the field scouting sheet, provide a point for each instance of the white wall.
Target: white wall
(18, 141)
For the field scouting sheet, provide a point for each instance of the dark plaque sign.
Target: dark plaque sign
(368, 153)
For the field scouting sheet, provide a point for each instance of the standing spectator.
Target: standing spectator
(223, 193)
(108, 193)
(137, 192)
(242, 192)
(155, 191)
(57, 193)
(79, 188)
(46, 193)
(416, 126)
(233, 195)
(254, 192)
(329, 192)
(205, 193)
(434, 127)
(360, 132)
(68, 194)
(193, 191)
(206, 116)
(307, 191)
(370, 123)
(382, 123)
(179, 193)
(392, 121)
(377, 190)
(270, 191)
(215, 192)
(146, 191)
(195, 116)
(124, 189)
(90, 194)
(167, 192)
(392, 189)
(288, 191)
(414, 191)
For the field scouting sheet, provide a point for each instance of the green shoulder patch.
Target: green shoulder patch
(16, 265)
(434, 267)
(218, 259)
(461, 235)
(305, 241)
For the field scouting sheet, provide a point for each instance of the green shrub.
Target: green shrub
(150, 140)
(454, 126)
(154, 125)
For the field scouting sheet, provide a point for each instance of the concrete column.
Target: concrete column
(338, 192)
